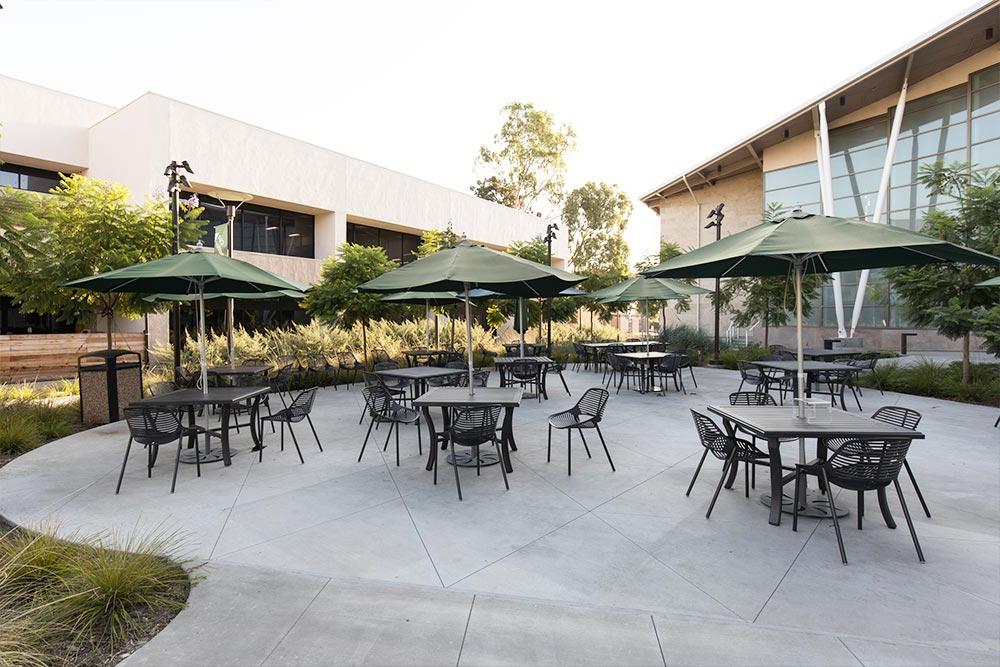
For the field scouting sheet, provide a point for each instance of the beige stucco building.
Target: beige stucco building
(947, 84)
(307, 200)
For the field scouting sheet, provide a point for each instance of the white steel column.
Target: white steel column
(826, 195)
(883, 187)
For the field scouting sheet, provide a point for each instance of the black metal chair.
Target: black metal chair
(623, 369)
(380, 356)
(375, 380)
(751, 375)
(480, 378)
(320, 366)
(384, 410)
(556, 367)
(348, 365)
(897, 416)
(527, 374)
(728, 449)
(298, 410)
(398, 386)
(447, 380)
(859, 465)
(160, 388)
(669, 367)
(837, 383)
(474, 427)
(152, 426)
(587, 413)
(185, 379)
(581, 357)
(866, 366)
(684, 361)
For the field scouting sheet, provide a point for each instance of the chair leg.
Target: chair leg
(548, 455)
(295, 441)
(833, 513)
(569, 452)
(502, 468)
(121, 475)
(420, 439)
(696, 471)
(365, 444)
(746, 478)
(856, 399)
(795, 505)
(913, 480)
(397, 443)
(585, 447)
(458, 484)
(309, 419)
(909, 522)
(691, 370)
(385, 447)
(565, 386)
(718, 487)
(604, 444)
(363, 408)
(177, 464)
(282, 436)
(861, 508)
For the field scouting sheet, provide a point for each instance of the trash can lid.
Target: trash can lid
(107, 354)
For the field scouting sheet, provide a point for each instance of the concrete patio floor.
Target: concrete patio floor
(336, 561)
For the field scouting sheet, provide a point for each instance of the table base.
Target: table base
(816, 507)
(467, 459)
(188, 455)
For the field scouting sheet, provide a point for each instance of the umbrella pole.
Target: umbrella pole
(229, 332)
(427, 321)
(520, 312)
(203, 360)
(645, 332)
(801, 376)
(468, 337)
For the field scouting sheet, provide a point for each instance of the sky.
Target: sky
(650, 88)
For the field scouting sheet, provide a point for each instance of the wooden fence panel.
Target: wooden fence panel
(53, 356)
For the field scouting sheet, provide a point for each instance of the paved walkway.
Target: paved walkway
(337, 561)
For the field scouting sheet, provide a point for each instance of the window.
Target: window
(793, 187)
(399, 246)
(263, 229)
(27, 178)
(13, 321)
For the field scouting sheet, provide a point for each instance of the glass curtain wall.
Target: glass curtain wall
(961, 124)
(262, 229)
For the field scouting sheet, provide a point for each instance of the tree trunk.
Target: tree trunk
(766, 331)
(966, 370)
(364, 339)
(110, 323)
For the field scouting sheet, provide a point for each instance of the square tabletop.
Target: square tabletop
(458, 397)
(623, 343)
(195, 396)
(422, 352)
(511, 360)
(839, 352)
(645, 356)
(780, 422)
(807, 366)
(238, 370)
(421, 372)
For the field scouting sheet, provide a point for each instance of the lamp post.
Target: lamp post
(175, 180)
(550, 236)
(716, 215)
(231, 201)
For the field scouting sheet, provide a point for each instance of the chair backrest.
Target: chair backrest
(683, 360)
(347, 359)
(785, 355)
(755, 398)
(748, 371)
(254, 361)
(475, 426)
(283, 375)
(302, 405)
(371, 379)
(835, 377)
(379, 355)
(455, 364)
(592, 403)
(378, 399)
(864, 465)
(385, 365)
(712, 437)
(160, 388)
(525, 370)
(152, 425)
(480, 378)
(184, 378)
(862, 364)
(657, 347)
(317, 362)
(668, 364)
(898, 416)
(288, 360)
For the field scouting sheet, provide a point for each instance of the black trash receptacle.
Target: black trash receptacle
(109, 381)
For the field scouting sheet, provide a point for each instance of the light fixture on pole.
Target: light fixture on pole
(176, 180)
(231, 201)
(550, 236)
(716, 215)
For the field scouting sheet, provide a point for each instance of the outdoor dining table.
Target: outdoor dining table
(833, 354)
(647, 360)
(777, 424)
(502, 363)
(450, 398)
(418, 375)
(413, 357)
(622, 343)
(810, 368)
(224, 397)
(238, 372)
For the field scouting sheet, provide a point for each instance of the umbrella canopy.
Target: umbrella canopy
(992, 282)
(641, 288)
(808, 243)
(468, 266)
(822, 244)
(212, 296)
(424, 298)
(188, 273)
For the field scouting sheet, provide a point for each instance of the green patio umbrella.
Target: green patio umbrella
(189, 273)
(992, 282)
(807, 243)
(468, 266)
(644, 290)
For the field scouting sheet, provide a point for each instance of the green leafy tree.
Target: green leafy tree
(335, 299)
(768, 300)
(527, 160)
(88, 226)
(433, 240)
(987, 323)
(944, 296)
(17, 223)
(595, 216)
